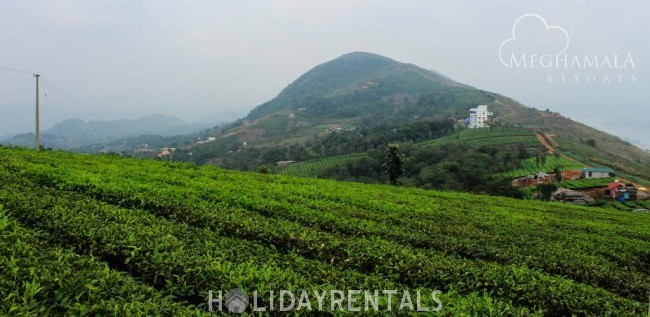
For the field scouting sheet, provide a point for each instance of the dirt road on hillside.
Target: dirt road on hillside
(511, 111)
(551, 149)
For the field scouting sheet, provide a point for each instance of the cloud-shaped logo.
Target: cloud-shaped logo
(561, 37)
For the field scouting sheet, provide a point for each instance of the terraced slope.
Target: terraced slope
(477, 138)
(180, 231)
(314, 168)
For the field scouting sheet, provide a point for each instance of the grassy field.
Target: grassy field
(106, 235)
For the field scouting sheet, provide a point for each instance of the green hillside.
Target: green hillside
(586, 183)
(369, 92)
(624, 164)
(494, 136)
(366, 90)
(636, 205)
(531, 166)
(355, 73)
(360, 90)
(315, 168)
(143, 236)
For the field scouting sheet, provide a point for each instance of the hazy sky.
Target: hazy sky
(205, 60)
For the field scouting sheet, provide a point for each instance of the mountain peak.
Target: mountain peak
(358, 55)
(351, 73)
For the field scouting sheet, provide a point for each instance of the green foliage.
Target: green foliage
(558, 173)
(590, 142)
(40, 279)
(264, 169)
(586, 183)
(546, 190)
(183, 230)
(487, 137)
(627, 206)
(548, 164)
(317, 167)
(622, 160)
(452, 164)
(394, 164)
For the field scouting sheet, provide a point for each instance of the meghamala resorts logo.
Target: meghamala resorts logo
(535, 44)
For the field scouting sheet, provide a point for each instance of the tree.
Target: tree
(558, 174)
(546, 190)
(507, 159)
(394, 165)
(521, 151)
(263, 169)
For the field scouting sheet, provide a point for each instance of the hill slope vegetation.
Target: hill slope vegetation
(362, 91)
(180, 230)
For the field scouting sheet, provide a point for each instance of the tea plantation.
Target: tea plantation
(104, 235)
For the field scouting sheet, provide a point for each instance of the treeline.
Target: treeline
(452, 166)
(361, 139)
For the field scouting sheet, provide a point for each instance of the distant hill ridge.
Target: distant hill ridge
(74, 133)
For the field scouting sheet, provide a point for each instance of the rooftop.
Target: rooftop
(598, 169)
(615, 184)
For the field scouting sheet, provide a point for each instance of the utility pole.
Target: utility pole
(38, 129)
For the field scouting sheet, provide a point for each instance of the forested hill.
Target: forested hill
(355, 73)
(363, 91)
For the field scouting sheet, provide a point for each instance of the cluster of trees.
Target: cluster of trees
(361, 139)
(453, 166)
(379, 136)
(449, 167)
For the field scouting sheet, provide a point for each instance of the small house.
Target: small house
(534, 179)
(334, 128)
(620, 191)
(571, 196)
(597, 172)
(280, 164)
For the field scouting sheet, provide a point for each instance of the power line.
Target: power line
(80, 106)
(38, 121)
(15, 70)
(49, 105)
(72, 100)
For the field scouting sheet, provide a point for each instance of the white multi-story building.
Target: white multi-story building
(478, 116)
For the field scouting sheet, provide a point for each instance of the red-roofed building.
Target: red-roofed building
(620, 191)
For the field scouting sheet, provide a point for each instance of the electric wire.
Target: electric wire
(15, 70)
(49, 105)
